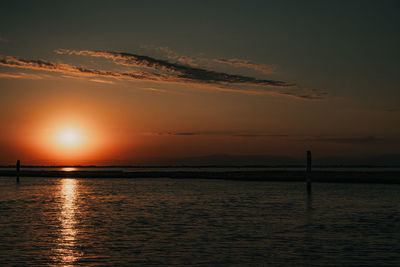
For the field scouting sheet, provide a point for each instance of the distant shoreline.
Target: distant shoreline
(383, 177)
(208, 166)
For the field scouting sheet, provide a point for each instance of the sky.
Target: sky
(140, 82)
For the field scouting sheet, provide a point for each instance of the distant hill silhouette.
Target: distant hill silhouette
(249, 160)
(238, 160)
(378, 160)
(270, 160)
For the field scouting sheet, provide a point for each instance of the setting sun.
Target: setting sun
(69, 138)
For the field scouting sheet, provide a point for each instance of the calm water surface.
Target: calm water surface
(67, 222)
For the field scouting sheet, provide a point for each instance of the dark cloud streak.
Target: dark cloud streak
(354, 140)
(165, 71)
(363, 140)
(263, 68)
(177, 72)
(181, 71)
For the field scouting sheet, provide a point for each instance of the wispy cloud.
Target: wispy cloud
(172, 55)
(101, 81)
(179, 71)
(249, 135)
(263, 68)
(158, 90)
(221, 133)
(363, 140)
(158, 70)
(355, 140)
(234, 62)
(186, 133)
(22, 75)
(71, 69)
(176, 72)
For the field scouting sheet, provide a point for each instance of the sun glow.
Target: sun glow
(69, 138)
(69, 141)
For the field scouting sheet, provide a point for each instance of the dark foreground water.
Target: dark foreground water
(47, 221)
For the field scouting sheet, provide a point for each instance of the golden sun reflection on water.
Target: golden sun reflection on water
(66, 246)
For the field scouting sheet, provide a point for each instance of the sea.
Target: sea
(193, 222)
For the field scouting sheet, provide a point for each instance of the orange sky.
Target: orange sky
(121, 125)
(202, 82)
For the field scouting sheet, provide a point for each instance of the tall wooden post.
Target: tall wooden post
(18, 166)
(308, 172)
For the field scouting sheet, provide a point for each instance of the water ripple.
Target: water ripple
(70, 222)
